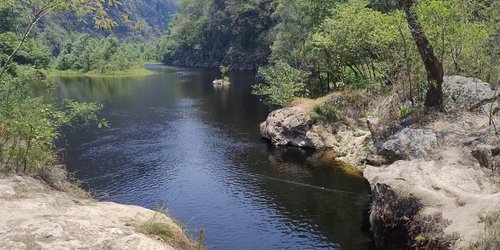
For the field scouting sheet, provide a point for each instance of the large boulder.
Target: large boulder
(410, 144)
(291, 127)
(467, 93)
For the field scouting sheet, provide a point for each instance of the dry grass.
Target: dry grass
(490, 237)
(398, 223)
(55, 176)
(169, 232)
(308, 104)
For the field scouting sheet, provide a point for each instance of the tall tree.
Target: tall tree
(433, 66)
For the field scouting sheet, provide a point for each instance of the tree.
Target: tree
(41, 8)
(283, 84)
(433, 66)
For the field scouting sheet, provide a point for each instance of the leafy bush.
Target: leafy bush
(326, 113)
(405, 111)
(283, 84)
(29, 125)
(355, 81)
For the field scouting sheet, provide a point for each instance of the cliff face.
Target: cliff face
(34, 216)
(441, 175)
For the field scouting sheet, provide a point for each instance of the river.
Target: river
(176, 142)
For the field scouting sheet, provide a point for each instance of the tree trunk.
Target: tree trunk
(434, 67)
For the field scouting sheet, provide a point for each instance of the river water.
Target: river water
(178, 143)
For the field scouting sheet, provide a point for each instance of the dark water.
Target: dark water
(178, 142)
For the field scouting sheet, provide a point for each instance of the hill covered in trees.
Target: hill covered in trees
(212, 33)
(142, 20)
(336, 42)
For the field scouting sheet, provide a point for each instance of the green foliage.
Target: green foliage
(356, 81)
(283, 84)
(224, 70)
(460, 42)
(29, 125)
(101, 55)
(405, 111)
(212, 33)
(297, 20)
(354, 41)
(326, 113)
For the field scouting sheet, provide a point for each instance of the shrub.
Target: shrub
(283, 84)
(398, 224)
(326, 113)
(29, 125)
(405, 111)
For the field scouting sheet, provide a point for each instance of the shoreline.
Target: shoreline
(440, 173)
(36, 215)
(138, 72)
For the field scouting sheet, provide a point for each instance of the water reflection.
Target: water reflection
(178, 141)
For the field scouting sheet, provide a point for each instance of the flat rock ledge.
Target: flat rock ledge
(34, 216)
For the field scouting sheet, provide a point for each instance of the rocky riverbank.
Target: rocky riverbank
(35, 216)
(433, 180)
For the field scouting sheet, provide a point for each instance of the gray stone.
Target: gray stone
(376, 160)
(466, 93)
(220, 82)
(488, 156)
(291, 127)
(410, 144)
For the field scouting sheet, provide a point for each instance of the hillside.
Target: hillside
(212, 33)
(148, 20)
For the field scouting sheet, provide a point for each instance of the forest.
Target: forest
(324, 45)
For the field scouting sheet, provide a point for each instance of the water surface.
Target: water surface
(177, 142)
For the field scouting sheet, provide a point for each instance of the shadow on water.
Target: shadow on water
(177, 141)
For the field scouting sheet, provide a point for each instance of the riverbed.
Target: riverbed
(177, 143)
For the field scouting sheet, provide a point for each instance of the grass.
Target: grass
(309, 104)
(167, 232)
(490, 237)
(125, 73)
(159, 229)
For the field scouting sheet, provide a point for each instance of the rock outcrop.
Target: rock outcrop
(220, 83)
(410, 144)
(294, 127)
(465, 93)
(34, 216)
(450, 164)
